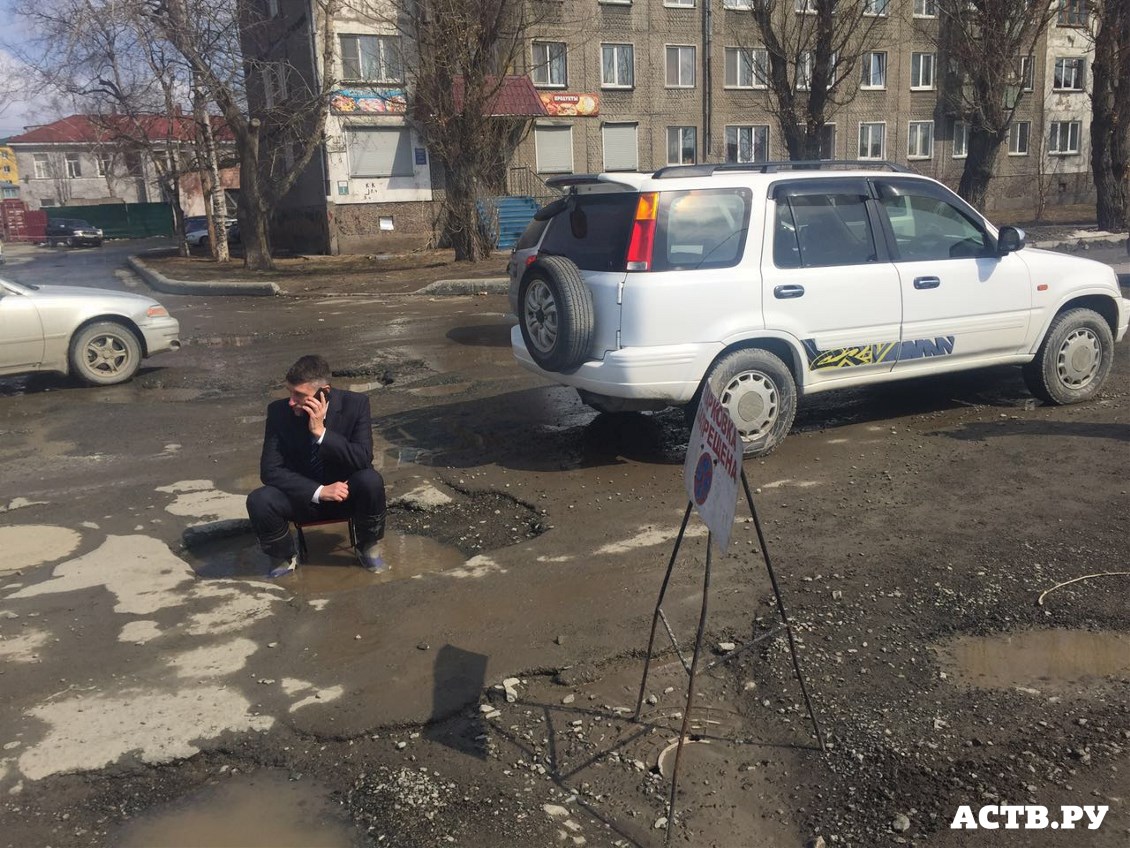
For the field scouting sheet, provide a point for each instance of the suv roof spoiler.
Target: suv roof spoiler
(706, 170)
(568, 180)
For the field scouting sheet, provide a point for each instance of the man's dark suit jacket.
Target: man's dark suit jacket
(287, 445)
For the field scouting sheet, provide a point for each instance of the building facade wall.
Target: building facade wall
(48, 180)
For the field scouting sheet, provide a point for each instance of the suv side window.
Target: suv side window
(593, 230)
(927, 226)
(532, 235)
(822, 223)
(704, 228)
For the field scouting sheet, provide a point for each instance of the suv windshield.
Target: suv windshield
(593, 231)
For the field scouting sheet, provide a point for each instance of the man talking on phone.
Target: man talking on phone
(317, 464)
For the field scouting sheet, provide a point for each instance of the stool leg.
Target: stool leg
(352, 534)
(301, 544)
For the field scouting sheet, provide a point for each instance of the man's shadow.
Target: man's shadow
(458, 681)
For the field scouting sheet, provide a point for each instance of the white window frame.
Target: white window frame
(682, 130)
(103, 164)
(273, 10)
(755, 130)
(72, 162)
(1055, 138)
(754, 59)
(1019, 138)
(543, 66)
(41, 165)
(923, 60)
(738, 5)
(274, 83)
(679, 4)
(1078, 73)
(614, 2)
(618, 48)
(804, 7)
(1072, 13)
(876, 8)
(679, 48)
(1027, 73)
(921, 147)
(867, 66)
(925, 8)
(390, 64)
(871, 127)
(960, 151)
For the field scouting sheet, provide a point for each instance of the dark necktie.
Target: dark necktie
(317, 470)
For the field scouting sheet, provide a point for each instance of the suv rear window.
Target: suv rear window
(532, 235)
(593, 231)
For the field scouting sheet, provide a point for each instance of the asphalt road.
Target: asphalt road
(529, 541)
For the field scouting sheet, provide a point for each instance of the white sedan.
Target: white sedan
(97, 335)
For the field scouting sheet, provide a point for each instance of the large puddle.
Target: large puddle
(1038, 659)
(263, 810)
(331, 565)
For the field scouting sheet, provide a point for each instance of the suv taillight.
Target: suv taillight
(643, 232)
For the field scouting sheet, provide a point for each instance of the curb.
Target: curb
(1081, 243)
(486, 285)
(164, 284)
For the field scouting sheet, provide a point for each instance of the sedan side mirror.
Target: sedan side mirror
(1009, 240)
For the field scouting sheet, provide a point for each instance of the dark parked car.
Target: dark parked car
(72, 232)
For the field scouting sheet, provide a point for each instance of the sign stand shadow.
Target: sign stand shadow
(691, 667)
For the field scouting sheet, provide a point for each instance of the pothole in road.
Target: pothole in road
(1038, 659)
(262, 810)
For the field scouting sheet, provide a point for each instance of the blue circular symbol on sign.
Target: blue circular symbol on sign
(703, 476)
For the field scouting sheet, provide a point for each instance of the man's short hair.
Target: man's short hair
(309, 369)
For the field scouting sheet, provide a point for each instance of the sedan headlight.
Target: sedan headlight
(157, 311)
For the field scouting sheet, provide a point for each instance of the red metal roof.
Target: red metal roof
(516, 97)
(92, 129)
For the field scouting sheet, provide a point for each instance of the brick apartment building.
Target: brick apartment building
(639, 84)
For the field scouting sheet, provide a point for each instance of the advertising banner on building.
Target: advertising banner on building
(713, 467)
(562, 105)
(372, 101)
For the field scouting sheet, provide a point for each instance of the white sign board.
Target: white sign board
(714, 466)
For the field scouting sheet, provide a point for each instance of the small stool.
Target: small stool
(302, 552)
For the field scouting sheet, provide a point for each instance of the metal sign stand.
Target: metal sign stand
(692, 666)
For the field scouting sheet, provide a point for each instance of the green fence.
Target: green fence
(122, 220)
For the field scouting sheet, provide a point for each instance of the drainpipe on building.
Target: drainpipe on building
(707, 49)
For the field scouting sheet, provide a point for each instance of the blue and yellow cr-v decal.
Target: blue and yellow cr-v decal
(873, 354)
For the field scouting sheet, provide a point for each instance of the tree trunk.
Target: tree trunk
(978, 173)
(1110, 112)
(253, 206)
(462, 222)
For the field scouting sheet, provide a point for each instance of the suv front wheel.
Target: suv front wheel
(555, 313)
(759, 392)
(1074, 359)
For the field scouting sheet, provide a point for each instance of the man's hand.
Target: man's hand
(315, 408)
(335, 491)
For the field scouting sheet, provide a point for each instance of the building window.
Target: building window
(682, 4)
(371, 58)
(920, 140)
(1068, 74)
(617, 65)
(273, 10)
(743, 5)
(805, 6)
(134, 166)
(680, 67)
(806, 64)
(1073, 13)
(872, 141)
(1018, 138)
(925, 8)
(747, 67)
(876, 7)
(104, 164)
(921, 71)
(682, 145)
(42, 166)
(379, 151)
(874, 70)
(274, 84)
(549, 63)
(74, 165)
(828, 141)
(960, 139)
(554, 149)
(621, 147)
(7, 169)
(1064, 138)
(1026, 73)
(747, 144)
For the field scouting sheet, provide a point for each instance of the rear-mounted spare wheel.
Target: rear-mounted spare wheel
(555, 314)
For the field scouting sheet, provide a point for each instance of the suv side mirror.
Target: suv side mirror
(1009, 240)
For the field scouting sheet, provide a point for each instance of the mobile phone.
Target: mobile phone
(321, 393)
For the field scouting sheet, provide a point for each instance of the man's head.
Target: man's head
(305, 377)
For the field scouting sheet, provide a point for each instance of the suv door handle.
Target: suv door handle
(786, 292)
(926, 282)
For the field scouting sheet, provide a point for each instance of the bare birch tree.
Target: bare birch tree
(814, 50)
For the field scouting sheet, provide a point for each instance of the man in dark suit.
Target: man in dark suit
(317, 463)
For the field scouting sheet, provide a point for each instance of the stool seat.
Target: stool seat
(302, 552)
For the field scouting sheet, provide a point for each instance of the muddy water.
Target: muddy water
(1038, 659)
(263, 810)
(331, 566)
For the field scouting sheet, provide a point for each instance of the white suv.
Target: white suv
(780, 279)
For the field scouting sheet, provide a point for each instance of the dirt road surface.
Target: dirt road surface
(157, 689)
